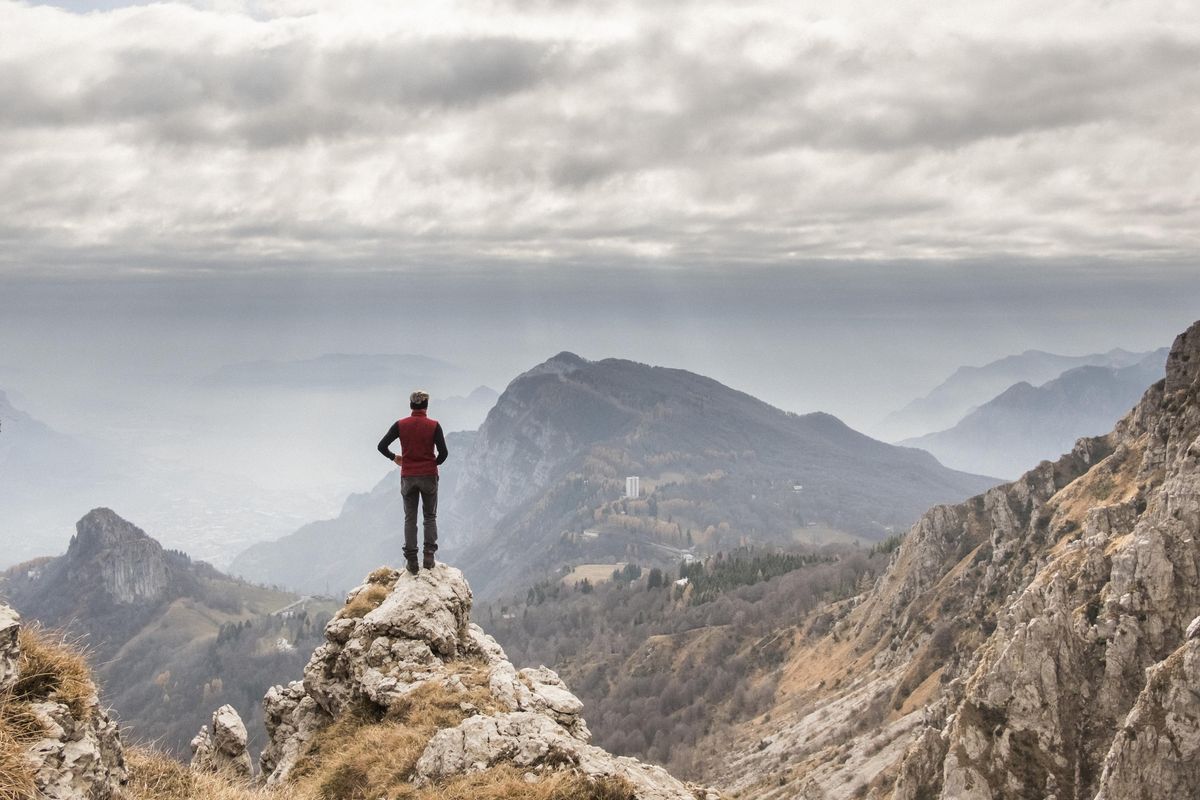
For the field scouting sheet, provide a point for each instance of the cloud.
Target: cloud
(233, 134)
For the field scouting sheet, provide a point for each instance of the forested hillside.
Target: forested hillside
(543, 485)
(663, 658)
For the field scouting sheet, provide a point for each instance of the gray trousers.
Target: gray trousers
(425, 489)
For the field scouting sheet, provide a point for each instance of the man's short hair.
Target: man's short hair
(418, 399)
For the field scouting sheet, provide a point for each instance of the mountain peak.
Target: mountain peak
(101, 529)
(130, 566)
(560, 364)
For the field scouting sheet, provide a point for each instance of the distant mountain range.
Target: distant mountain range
(542, 484)
(169, 635)
(1026, 424)
(970, 387)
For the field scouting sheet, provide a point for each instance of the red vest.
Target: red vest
(416, 444)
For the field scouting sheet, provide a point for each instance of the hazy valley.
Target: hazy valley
(541, 485)
(681, 626)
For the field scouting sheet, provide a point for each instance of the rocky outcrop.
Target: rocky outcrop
(76, 751)
(223, 749)
(1038, 631)
(10, 649)
(79, 757)
(129, 565)
(1156, 753)
(529, 739)
(399, 634)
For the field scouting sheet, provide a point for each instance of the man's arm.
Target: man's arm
(439, 442)
(385, 444)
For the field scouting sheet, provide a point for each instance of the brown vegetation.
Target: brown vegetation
(16, 777)
(51, 669)
(48, 670)
(154, 776)
(379, 585)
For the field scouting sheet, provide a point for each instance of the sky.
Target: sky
(828, 205)
(230, 136)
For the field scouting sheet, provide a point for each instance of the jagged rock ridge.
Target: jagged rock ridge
(400, 635)
(1034, 641)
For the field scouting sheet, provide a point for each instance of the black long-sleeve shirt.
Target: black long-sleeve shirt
(393, 433)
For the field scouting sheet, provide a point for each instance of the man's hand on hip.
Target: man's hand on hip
(399, 461)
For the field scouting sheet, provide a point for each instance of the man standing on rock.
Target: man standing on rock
(419, 436)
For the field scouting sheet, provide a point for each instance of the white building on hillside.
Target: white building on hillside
(633, 486)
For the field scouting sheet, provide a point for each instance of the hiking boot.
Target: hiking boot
(429, 562)
(412, 567)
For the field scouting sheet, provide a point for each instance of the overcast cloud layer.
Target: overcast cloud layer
(386, 134)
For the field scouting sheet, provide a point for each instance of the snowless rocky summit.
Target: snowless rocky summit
(421, 633)
(1037, 641)
(79, 756)
(223, 749)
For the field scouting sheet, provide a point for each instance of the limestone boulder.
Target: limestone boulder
(532, 740)
(223, 749)
(433, 606)
(1156, 753)
(10, 650)
(79, 756)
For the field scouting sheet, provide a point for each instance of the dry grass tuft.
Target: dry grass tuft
(353, 755)
(506, 782)
(16, 775)
(433, 705)
(379, 585)
(364, 602)
(48, 669)
(357, 756)
(155, 776)
(18, 722)
(52, 669)
(384, 576)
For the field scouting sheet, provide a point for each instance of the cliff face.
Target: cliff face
(1031, 642)
(540, 424)
(118, 558)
